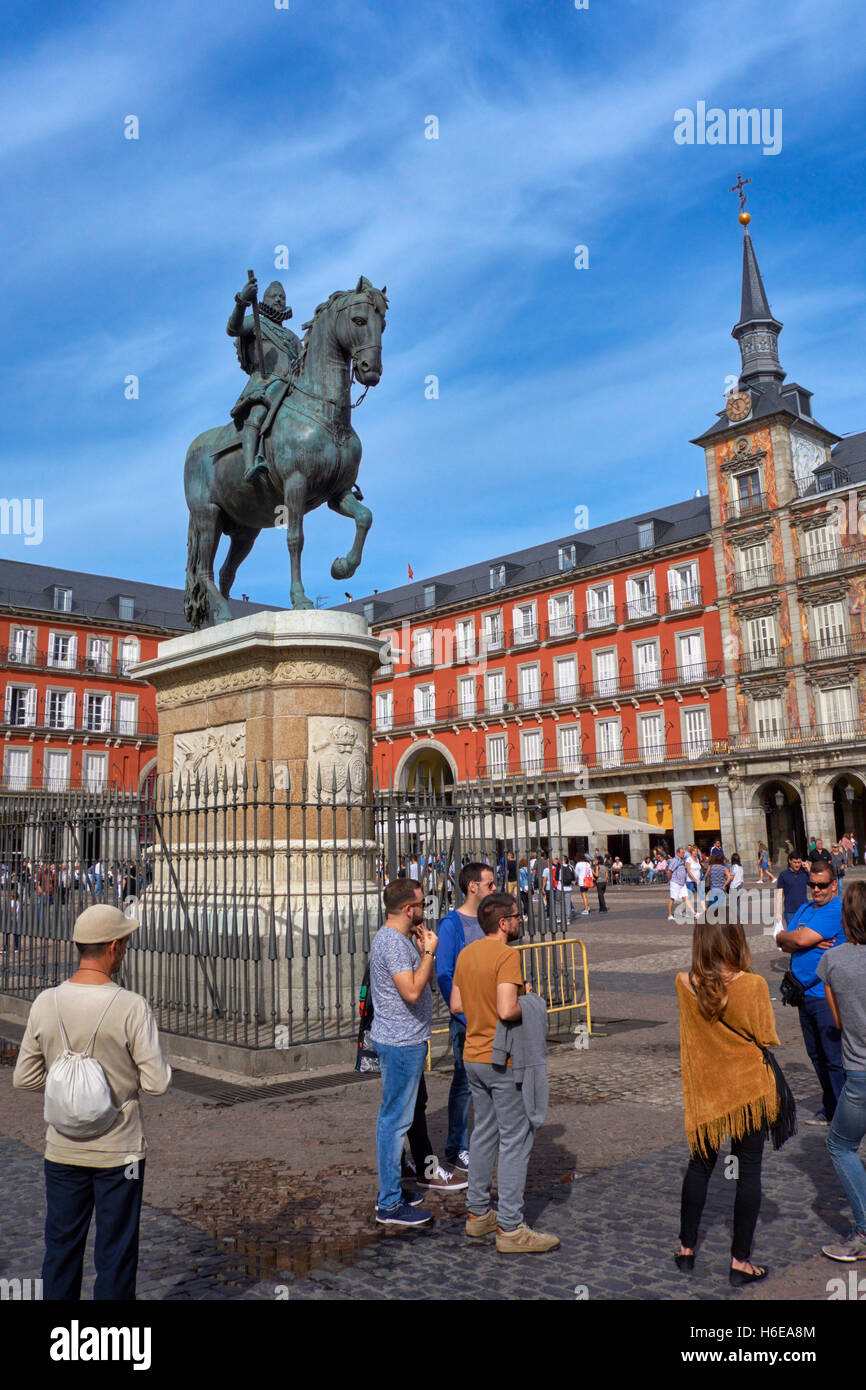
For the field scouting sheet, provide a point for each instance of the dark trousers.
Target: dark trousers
(458, 1096)
(419, 1138)
(73, 1194)
(823, 1042)
(748, 1152)
(601, 889)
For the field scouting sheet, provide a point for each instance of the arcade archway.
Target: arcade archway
(783, 818)
(849, 808)
(427, 765)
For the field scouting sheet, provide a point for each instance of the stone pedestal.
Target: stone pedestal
(263, 843)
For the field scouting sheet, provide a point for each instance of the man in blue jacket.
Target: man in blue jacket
(815, 928)
(456, 930)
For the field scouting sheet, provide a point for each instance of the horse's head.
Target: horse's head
(360, 323)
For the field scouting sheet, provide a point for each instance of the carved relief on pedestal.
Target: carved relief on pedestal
(214, 753)
(337, 753)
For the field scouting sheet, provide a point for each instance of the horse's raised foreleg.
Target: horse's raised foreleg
(242, 540)
(208, 521)
(348, 505)
(294, 497)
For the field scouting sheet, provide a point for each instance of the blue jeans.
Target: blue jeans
(823, 1041)
(843, 1141)
(458, 1096)
(402, 1069)
(72, 1193)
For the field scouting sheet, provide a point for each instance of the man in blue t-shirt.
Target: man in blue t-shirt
(456, 930)
(815, 928)
(792, 888)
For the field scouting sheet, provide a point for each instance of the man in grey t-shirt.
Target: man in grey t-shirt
(400, 977)
(843, 970)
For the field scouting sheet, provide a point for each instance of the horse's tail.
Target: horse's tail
(196, 606)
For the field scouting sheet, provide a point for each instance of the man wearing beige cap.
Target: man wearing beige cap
(105, 1173)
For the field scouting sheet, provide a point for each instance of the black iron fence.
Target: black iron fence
(257, 900)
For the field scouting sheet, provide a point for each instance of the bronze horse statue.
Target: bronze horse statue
(312, 455)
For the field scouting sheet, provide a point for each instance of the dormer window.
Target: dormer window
(126, 608)
(429, 595)
(646, 535)
(567, 557)
(368, 612)
(62, 600)
(497, 576)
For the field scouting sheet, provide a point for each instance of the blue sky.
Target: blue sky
(557, 387)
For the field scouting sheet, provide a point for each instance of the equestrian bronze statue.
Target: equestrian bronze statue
(290, 446)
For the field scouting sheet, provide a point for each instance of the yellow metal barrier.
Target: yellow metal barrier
(551, 968)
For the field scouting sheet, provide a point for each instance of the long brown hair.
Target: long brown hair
(717, 948)
(854, 913)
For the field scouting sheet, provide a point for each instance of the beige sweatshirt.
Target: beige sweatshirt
(126, 1047)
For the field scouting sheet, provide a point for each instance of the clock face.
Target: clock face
(738, 405)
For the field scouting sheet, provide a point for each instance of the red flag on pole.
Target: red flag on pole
(411, 572)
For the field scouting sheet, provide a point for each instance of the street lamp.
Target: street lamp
(660, 806)
(849, 792)
(615, 808)
(705, 804)
(779, 799)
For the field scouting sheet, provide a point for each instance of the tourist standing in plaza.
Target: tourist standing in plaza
(679, 892)
(764, 863)
(792, 889)
(726, 1018)
(843, 971)
(817, 927)
(400, 975)
(457, 930)
(584, 881)
(819, 854)
(102, 1169)
(718, 879)
(488, 982)
(602, 872)
(735, 888)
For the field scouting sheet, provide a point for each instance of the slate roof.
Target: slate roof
(679, 523)
(94, 596)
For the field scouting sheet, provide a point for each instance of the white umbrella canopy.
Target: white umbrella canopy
(584, 821)
(475, 826)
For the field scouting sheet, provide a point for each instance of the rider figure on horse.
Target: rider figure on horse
(261, 397)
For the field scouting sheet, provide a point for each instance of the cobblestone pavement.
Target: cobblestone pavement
(273, 1199)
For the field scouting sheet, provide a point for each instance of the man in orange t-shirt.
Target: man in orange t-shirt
(488, 980)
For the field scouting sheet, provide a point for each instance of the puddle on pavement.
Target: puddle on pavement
(262, 1260)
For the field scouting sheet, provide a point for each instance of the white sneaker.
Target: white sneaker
(585, 912)
(672, 919)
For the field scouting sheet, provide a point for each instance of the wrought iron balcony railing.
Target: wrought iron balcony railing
(741, 508)
(835, 648)
(758, 577)
(831, 561)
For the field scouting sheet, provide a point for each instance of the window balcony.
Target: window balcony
(744, 508)
(827, 479)
(600, 618)
(559, 627)
(690, 596)
(758, 661)
(523, 636)
(758, 577)
(639, 610)
(831, 561)
(836, 648)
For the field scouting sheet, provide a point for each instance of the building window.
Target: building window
(532, 751)
(126, 608)
(98, 654)
(646, 535)
(385, 710)
(63, 600)
(97, 713)
(831, 629)
(524, 623)
(60, 709)
(690, 657)
(61, 650)
(821, 550)
(425, 704)
(129, 654)
(494, 684)
(466, 696)
(429, 595)
(422, 647)
(696, 732)
(94, 771)
(497, 576)
(599, 606)
(748, 496)
(560, 613)
(497, 755)
(651, 729)
(608, 742)
(22, 645)
(837, 712)
(683, 589)
(606, 672)
(762, 649)
(566, 557)
(492, 632)
(21, 706)
(56, 771)
(368, 612)
(565, 680)
(752, 565)
(126, 711)
(768, 721)
(647, 663)
(16, 769)
(570, 746)
(465, 630)
(640, 592)
(529, 681)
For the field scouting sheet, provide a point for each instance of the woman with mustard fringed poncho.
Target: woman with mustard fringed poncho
(725, 1018)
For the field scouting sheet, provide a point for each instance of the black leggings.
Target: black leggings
(419, 1139)
(748, 1152)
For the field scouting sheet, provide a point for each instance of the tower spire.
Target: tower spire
(757, 332)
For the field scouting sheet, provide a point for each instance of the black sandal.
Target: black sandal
(738, 1277)
(685, 1261)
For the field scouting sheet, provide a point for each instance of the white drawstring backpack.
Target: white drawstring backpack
(77, 1099)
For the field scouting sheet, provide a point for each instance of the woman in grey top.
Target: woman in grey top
(843, 970)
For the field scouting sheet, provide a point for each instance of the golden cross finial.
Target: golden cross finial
(745, 217)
